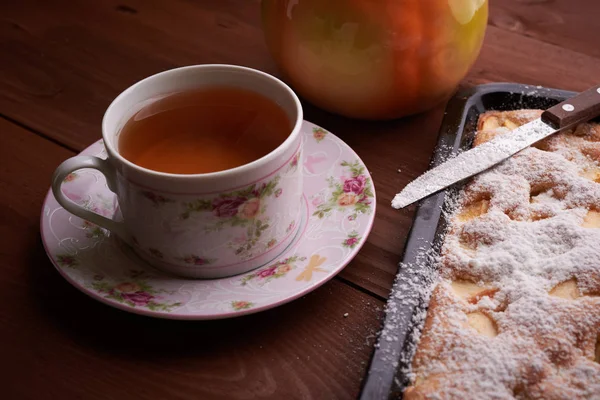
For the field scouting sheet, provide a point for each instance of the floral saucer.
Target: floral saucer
(339, 209)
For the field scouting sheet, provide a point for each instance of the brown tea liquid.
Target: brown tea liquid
(204, 130)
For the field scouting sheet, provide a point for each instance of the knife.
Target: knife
(579, 108)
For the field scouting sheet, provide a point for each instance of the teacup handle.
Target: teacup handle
(79, 162)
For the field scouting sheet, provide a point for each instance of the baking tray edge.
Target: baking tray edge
(381, 379)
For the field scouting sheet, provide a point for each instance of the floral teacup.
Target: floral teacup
(204, 225)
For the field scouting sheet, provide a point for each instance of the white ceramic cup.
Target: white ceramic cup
(204, 225)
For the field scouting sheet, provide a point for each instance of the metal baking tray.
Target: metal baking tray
(385, 378)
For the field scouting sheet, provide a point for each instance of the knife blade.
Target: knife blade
(579, 108)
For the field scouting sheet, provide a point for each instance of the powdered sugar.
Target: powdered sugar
(529, 239)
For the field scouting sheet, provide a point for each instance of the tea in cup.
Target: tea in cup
(204, 161)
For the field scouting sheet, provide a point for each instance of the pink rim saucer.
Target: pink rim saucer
(339, 213)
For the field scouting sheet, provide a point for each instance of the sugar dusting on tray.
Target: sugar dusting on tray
(409, 298)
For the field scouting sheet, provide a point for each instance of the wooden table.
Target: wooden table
(61, 64)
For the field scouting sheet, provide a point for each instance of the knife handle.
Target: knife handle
(580, 108)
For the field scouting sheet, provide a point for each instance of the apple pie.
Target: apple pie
(516, 310)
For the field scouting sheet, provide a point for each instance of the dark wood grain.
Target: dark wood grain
(511, 57)
(60, 340)
(571, 24)
(65, 61)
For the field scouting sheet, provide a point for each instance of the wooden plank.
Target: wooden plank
(60, 344)
(65, 61)
(572, 24)
(510, 57)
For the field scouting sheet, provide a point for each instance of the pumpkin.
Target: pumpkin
(374, 59)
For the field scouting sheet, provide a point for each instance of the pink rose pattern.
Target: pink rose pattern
(317, 201)
(355, 185)
(290, 227)
(226, 207)
(273, 271)
(319, 134)
(135, 293)
(352, 240)
(92, 231)
(230, 207)
(249, 209)
(128, 287)
(195, 260)
(244, 208)
(294, 163)
(265, 273)
(138, 298)
(353, 193)
(156, 199)
(347, 199)
(67, 260)
(70, 178)
(241, 305)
